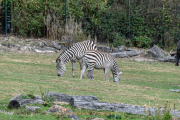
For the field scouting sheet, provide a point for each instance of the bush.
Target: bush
(143, 41)
(120, 40)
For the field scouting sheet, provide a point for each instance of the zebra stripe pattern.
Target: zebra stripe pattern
(71, 54)
(100, 60)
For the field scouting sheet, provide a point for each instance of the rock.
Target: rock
(55, 45)
(122, 48)
(129, 49)
(156, 52)
(23, 48)
(58, 110)
(44, 51)
(174, 90)
(166, 59)
(5, 112)
(125, 54)
(32, 108)
(47, 48)
(68, 39)
(41, 44)
(104, 49)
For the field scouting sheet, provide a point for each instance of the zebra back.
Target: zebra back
(76, 50)
(101, 59)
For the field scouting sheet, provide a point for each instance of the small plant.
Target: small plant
(28, 95)
(113, 116)
(47, 100)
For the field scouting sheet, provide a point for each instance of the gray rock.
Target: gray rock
(167, 59)
(122, 48)
(23, 48)
(58, 110)
(32, 108)
(5, 112)
(129, 49)
(55, 45)
(104, 49)
(125, 54)
(174, 90)
(156, 52)
(47, 48)
(44, 51)
(42, 44)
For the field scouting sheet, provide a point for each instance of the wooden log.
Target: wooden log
(17, 101)
(60, 97)
(132, 109)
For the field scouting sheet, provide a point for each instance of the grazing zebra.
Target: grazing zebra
(100, 60)
(70, 54)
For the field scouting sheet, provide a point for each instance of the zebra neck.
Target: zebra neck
(65, 57)
(115, 68)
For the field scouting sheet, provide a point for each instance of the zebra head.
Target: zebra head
(116, 78)
(61, 68)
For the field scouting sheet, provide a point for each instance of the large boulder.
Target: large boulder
(156, 52)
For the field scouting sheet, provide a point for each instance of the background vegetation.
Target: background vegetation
(152, 21)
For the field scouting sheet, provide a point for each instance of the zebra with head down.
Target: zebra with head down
(71, 54)
(100, 60)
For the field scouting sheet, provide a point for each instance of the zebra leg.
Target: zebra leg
(90, 71)
(107, 74)
(80, 63)
(73, 67)
(90, 74)
(82, 71)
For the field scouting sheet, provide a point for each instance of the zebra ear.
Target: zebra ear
(120, 72)
(54, 61)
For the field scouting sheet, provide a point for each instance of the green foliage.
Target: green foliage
(47, 100)
(120, 40)
(112, 117)
(143, 41)
(28, 94)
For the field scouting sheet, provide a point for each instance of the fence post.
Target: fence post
(6, 17)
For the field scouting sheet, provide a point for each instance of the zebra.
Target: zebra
(71, 53)
(100, 60)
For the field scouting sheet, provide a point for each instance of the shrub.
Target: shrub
(120, 40)
(143, 41)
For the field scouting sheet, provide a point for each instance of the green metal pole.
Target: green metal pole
(6, 17)
(66, 11)
(129, 20)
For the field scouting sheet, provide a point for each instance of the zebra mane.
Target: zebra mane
(64, 51)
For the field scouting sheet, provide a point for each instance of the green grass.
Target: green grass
(142, 83)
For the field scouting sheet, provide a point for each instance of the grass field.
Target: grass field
(142, 83)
